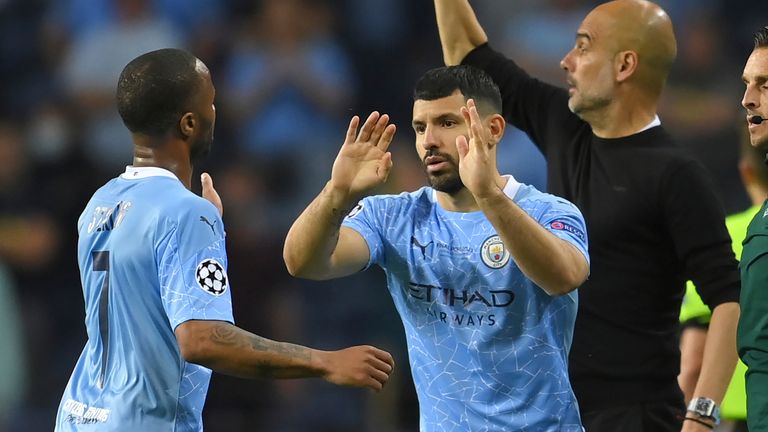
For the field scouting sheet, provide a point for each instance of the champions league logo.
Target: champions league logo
(356, 210)
(211, 277)
(493, 253)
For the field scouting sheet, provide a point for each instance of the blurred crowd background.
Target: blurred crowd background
(289, 74)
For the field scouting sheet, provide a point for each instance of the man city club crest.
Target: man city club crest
(211, 277)
(493, 253)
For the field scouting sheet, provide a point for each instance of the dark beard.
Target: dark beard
(448, 182)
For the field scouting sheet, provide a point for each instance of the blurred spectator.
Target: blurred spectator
(288, 84)
(28, 235)
(29, 243)
(537, 33)
(70, 20)
(41, 193)
(697, 105)
(288, 79)
(20, 57)
(90, 70)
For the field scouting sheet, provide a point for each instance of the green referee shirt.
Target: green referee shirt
(752, 337)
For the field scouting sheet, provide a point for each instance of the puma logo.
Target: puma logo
(207, 222)
(422, 247)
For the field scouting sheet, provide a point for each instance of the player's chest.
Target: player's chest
(449, 252)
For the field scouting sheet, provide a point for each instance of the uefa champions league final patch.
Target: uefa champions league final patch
(564, 226)
(355, 210)
(211, 277)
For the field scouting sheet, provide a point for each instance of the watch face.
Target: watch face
(705, 408)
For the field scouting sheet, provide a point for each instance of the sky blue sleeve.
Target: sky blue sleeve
(192, 265)
(564, 220)
(365, 218)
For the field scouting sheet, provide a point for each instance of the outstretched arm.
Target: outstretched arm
(460, 32)
(230, 350)
(316, 246)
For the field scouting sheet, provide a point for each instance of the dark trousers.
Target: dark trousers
(646, 417)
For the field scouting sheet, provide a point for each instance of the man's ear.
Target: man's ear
(496, 125)
(625, 65)
(187, 124)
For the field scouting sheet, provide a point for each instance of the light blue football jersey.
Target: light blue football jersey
(151, 256)
(488, 348)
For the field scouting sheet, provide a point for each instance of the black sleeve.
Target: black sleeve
(533, 106)
(696, 221)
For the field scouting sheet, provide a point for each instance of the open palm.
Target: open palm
(476, 166)
(363, 161)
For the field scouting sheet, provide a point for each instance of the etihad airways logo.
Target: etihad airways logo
(452, 297)
(436, 298)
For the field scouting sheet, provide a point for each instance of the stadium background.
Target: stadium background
(289, 74)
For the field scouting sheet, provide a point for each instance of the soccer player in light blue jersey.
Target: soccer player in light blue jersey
(153, 267)
(482, 268)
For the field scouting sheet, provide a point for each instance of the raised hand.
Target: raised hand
(476, 167)
(359, 366)
(363, 161)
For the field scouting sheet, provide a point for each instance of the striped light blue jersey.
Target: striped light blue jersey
(151, 256)
(488, 348)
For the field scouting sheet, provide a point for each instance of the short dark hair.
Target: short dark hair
(761, 38)
(155, 90)
(470, 81)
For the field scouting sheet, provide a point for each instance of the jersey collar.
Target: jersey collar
(655, 122)
(135, 173)
(510, 189)
(512, 186)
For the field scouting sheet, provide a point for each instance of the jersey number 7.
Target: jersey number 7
(101, 263)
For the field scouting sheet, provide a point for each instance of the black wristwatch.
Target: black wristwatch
(705, 408)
